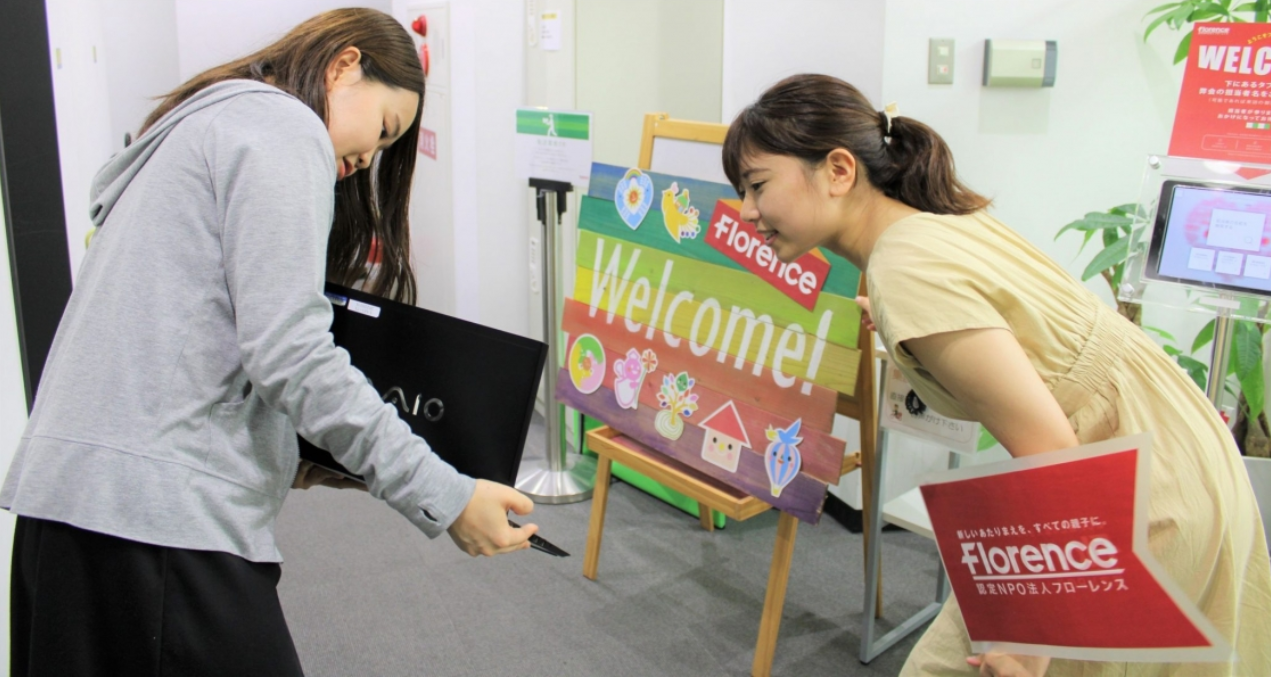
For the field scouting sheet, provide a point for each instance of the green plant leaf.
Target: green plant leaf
(1205, 15)
(1159, 332)
(1246, 349)
(1109, 257)
(1118, 271)
(1131, 210)
(1184, 46)
(1171, 350)
(1209, 9)
(1106, 220)
(1178, 17)
(1199, 371)
(1097, 221)
(1167, 11)
(1161, 8)
(1075, 225)
(1246, 354)
(1204, 336)
(1254, 392)
(1247, 7)
(986, 440)
(1085, 241)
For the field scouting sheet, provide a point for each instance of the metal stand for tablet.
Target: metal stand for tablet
(561, 477)
(871, 647)
(1142, 281)
(1218, 359)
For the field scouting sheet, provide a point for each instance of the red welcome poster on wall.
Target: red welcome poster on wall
(1224, 107)
(1048, 556)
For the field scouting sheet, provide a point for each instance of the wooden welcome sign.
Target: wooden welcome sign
(686, 334)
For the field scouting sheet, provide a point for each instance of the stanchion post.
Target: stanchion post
(558, 478)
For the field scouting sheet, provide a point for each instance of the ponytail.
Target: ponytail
(807, 116)
(921, 173)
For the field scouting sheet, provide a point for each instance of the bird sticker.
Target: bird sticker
(678, 215)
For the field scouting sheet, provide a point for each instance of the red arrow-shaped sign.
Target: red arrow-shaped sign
(1048, 555)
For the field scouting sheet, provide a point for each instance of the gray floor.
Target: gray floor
(368, 595)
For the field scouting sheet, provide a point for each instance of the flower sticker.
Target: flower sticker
(633, 196)
(587, 364)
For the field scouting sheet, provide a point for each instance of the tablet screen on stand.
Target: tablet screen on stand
(1212, 235)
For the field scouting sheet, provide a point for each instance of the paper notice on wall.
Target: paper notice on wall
(549, 30)
(904, 410)
(553, 144)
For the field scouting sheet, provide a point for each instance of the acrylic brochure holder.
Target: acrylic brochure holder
(1201, 242)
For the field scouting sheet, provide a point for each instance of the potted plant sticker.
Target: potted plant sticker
(677, 401)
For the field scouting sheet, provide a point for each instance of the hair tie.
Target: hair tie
(886, 115)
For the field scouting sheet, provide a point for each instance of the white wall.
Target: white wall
(1046, 155)
(765, 42)
(82, 103)
(12, 415)
(500, 248)
(653, 56)
(141, 61)
(212, 32)
(482, 230)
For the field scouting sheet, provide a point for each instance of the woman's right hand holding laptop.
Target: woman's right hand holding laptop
(482, 528)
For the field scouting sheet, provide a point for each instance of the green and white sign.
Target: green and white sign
(553, 144)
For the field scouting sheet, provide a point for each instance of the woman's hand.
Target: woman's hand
(865, 316)
(309, 475)
(482, 528)
(998, 664)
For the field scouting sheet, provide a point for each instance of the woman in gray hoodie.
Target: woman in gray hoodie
(195, 346)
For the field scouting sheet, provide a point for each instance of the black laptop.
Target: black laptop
(467, 389)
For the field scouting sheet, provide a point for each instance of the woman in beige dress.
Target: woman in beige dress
(988, 328)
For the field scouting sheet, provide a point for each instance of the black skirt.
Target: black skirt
(85, 604)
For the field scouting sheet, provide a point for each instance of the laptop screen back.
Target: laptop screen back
(467, 389)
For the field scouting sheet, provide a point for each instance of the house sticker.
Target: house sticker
(725, 437)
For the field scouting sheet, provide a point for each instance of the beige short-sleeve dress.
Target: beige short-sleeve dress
(931, 274)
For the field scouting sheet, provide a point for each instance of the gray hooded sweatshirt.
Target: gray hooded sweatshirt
(196, 343)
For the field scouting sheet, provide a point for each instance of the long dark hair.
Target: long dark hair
(370, 207)
(807, 116)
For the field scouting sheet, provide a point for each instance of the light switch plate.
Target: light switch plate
(940, 61)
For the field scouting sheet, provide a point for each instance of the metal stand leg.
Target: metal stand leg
(871, 647)
(1219, 356)
(561, 477)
